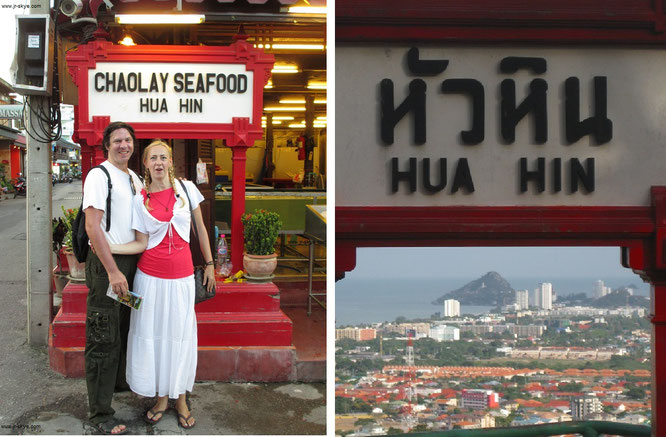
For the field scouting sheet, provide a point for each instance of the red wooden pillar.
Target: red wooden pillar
(242, 138)
(238, 157)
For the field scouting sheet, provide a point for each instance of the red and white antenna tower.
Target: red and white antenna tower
(410, 417)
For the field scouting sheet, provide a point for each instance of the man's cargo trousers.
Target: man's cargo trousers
(107, 325)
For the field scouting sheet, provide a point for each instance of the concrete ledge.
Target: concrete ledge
(311, 371)
(245, 364)
(237, 364)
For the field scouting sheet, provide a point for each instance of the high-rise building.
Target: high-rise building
(585, 406)
(543, 296)
(477, 399)
(599, 289)
(451, 308)
(522, 299)
(358, 334)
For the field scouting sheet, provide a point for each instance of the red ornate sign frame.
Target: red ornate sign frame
(87, 56)
(239, 134)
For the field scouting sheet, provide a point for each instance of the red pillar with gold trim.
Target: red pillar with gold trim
(238, 157)
(243, 138)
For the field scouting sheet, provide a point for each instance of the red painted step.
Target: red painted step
(234, 297)
(213, 329)
(242, 297)
(69, 330)
(244, 329)
(74, 297)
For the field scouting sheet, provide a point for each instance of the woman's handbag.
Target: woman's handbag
(200, 291)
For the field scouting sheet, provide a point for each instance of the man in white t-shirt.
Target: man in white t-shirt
(107, 321)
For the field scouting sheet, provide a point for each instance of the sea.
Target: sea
(362, 300)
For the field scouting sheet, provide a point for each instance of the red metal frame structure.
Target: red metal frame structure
(640, 231)
(239, 135)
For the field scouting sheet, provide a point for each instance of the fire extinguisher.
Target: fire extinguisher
(301, 148)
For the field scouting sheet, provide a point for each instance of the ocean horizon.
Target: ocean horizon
(363, 300)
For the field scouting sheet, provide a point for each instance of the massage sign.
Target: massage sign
(427, 126)
(168, 92)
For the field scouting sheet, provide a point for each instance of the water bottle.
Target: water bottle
(221, 255)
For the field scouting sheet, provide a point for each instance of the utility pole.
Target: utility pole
(38, 212)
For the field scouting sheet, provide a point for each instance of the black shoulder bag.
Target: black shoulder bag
(200, 292)
(79, 235)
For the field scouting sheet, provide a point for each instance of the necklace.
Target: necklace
(166, 207)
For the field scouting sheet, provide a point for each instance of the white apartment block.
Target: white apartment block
(543, 296)
(444, 333)
(585, 406)
(600, 290)
(522, 299)
(451, 308)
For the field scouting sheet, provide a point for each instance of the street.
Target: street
(37, 400)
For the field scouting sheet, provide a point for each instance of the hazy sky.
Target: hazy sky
(460, 262)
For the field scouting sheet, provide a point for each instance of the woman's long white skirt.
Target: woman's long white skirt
(162, 342)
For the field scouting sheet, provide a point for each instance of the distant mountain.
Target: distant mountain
(490, 289)
(620, 298)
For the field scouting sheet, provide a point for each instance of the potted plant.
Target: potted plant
(76, 269)
(59, 229)
(260, 232)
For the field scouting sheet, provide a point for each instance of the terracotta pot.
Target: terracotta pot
(77, 270)
(60, 281)
(259, 266)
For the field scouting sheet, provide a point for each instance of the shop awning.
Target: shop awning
(67, 144)
(12, 134)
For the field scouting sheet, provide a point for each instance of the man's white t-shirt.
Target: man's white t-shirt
(95, 192)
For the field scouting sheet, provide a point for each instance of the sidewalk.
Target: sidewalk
(219, 408)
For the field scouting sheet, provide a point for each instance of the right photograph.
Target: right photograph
(500, 218)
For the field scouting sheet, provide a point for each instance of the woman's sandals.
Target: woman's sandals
(152, 420)
(184, 422)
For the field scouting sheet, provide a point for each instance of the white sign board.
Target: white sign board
(11, 111)
(170, 93)
(528, 158)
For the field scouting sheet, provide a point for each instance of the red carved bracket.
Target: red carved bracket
(659, 207)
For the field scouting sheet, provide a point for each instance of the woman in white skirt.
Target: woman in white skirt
(162, 341)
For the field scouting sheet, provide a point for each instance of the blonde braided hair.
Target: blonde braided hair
(148, 180)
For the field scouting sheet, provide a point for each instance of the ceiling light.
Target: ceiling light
(314, 85)
(279, 117)
(159, 19)
(297, 126)
(127, 41)
(285, 69)
(307, 10)
(299, 47)
(292, 101)
(301, 101)
(269, 85)
(322, 118)
(284, 108)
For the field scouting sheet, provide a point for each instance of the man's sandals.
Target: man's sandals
(107, 427)
(152, 420)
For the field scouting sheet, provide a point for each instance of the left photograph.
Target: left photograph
(163, 217)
